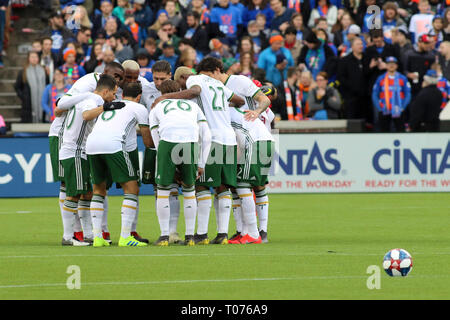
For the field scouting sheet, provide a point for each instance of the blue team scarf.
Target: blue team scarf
(396, 99)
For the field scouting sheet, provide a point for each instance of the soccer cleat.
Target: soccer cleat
(221, 238)
(189, 241)
(248, 240)
(100, 242)
(235, 239)
(201, 239)
(163, 241)
(74, 243)
(130, 242)
(263, 235)
(138, 237)
(107, 237)
(79, 236)
(89, 240)
(174, 237)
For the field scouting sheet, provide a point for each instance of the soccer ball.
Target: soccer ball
(397, 262)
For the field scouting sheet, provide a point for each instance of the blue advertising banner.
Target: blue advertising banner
(26, 170)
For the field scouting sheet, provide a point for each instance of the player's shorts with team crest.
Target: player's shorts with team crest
(176, 156)
(149, 166)
(221, 167)
(76, 176)
(254, 164)
(117, 167)
(57, 169)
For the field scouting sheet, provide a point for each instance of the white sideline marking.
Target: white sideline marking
(16, 212)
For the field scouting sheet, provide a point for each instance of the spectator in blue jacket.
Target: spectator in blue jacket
(52, 93)
(227, 20)
(391, 95)
(275, 60)
(255, 7)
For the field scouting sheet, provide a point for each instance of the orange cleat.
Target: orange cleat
(248, 240)
(235, 239)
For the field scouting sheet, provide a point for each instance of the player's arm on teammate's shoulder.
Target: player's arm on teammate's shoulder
(263, 103)
(67, 101)
(187, 94)
(93, 113)
(59, 112)
(236, 101)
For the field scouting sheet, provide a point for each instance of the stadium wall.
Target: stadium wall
(304, 163)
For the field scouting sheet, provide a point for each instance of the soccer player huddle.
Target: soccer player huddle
(202, 132)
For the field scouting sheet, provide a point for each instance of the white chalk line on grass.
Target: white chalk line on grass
(17, 212)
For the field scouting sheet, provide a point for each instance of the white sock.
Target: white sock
(262, 208)
(163, 211)
(174, 209)
(85, 217)
(224, 211)
(203, 210)
(129, 207)
(62, 197)
(237, 212)
(190, 210)
(97, 212)
(135, 220)
(105, 215)
(216, 210)
(68, 218)
(77, 223)
(248, 211)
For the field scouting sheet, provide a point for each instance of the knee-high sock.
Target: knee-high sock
(105, 215)
(68, 217)
(77, 223)
(62, 197)
(97, 212)
(216, 210)
(174, 209)
(163, 211)
(190, 210)
(129, 207)
(262, 208)
(135, 219)
(237, 212)
(224, 211)
(248, 211)
(85, 217)
(203, 210)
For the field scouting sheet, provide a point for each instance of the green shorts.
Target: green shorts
(149, 167)
(117, 167)
(221, 167)
(57, 169)
(176, 156)
(76, 176)
(255, 168)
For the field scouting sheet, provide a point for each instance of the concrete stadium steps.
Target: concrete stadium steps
(11, 113)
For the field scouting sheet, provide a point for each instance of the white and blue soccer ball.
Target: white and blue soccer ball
(397, 263)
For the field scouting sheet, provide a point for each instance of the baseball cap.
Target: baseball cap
(139, 1)
(431, 73)
(431, 76)
(403, 30)
(425, 38)
(56, 13)
(391, 59)
(280, 57)
(227, 63)
(215, 44)
(354, 29)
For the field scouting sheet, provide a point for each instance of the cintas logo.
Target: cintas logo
(304, 161)
(402, 160)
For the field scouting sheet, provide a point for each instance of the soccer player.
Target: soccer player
(73, 154)
(220, 171)
(113, 155)
(79, 91)
(177, 126)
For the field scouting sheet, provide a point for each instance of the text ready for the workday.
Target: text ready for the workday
(223, 310)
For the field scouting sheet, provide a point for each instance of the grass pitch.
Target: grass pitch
(320, 248)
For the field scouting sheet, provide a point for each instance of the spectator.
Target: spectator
(108, 57)
(145, 65)
(57, 31)
(390, 19)
(322, 35)
(446, 20)
(143, 15)
(275, 60)
(421, 23)
(317, 56)
(217, 49)
(95, 59)
(301, 6)
(121, 52)
(323, 9)
(341, 28)
(52, 93)
(169, 54)
(167, 34)
(261, 22)
(120, 10)
(161, 17)
(100, 20)
(197, 33)
(48, 59)
(36, 46)
(354, 31)
(72, 71)
(76, 17)
(401, 41)
(425, 108)
(200, 7)
(288, 103)
(391, 95)
(150, 49)
(84, 40)
(226, 21)
(247, 66)
(29, 85)
(231, 66)
(305, 84)
(352, 78)
(188, 58)
(292, 43)
(363, 17)
(258, 37)
(443, 85)
(2, 126)
(254, 8)
(297, 23)
(175, 17)
(246, 46)
(437, 31)
(418, 61)
(324, 101)
(111, 27)
(444, 59)
(282, 16)
(3, 6)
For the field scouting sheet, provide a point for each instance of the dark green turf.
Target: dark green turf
(320, 248)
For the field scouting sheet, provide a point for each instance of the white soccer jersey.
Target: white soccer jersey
(250, 131)
(76, 130)
(213, 101)
(115, 130)
(177, 120)
(149, 93)
(87, 83)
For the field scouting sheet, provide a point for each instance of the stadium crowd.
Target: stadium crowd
(329, 59)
